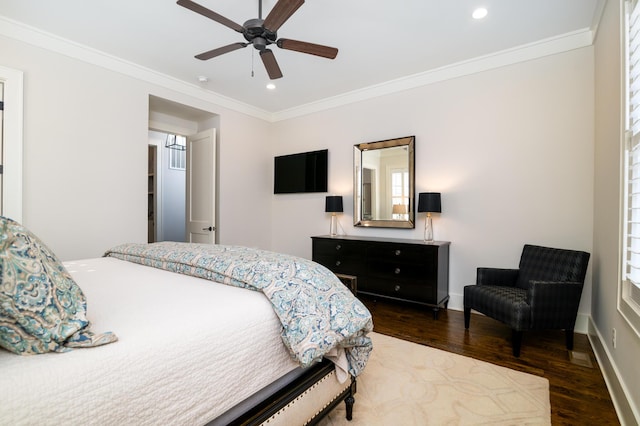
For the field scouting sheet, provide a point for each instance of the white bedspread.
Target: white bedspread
(188, 350)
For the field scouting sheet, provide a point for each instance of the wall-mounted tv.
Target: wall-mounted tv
(303, 172)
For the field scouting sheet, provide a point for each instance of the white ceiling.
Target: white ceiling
(378, 41)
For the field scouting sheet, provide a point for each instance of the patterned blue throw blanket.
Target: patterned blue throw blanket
(318, 313)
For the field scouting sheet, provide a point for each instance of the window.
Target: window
(629, 300)
(177, 159)
(177, 151)
(399, 193)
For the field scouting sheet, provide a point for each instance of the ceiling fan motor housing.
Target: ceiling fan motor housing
(255, 33)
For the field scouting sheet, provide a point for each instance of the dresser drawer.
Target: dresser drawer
(342, 248)
(400, 289)
(402, 252)
(340, 264)
(392, 269)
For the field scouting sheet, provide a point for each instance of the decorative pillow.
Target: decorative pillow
(41, 308)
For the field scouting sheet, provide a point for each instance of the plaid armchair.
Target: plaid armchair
(544, 293)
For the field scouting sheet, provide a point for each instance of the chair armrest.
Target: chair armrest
(554, 304)
(497, 276)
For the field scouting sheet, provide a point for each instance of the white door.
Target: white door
(201, 186)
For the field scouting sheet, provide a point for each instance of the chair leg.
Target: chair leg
(467, 317)
(569, 339)
(516, 337)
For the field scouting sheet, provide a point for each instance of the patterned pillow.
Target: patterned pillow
(41, 308)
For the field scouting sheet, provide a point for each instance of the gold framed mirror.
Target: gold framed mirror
(384, 183)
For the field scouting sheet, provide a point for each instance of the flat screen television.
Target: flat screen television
(303, 172)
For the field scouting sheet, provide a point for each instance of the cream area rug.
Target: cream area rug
(409, 384)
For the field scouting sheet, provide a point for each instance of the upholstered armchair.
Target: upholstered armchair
(543, 293)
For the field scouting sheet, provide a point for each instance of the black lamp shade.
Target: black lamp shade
(333, 204)
(429, 202)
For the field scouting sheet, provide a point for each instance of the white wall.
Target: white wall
(511, 151)
(508, 149)
(620, 364)
(85, 156)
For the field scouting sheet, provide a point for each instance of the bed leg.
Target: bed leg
(349, 401)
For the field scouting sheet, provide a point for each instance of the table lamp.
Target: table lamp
(333, 205)
(429, 202)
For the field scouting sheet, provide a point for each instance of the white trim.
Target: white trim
(550, 46)
(43, 39)
(628, 413)
(597, 17)
(160, 126)
(12, 142)
(628, 308)
(622, 54)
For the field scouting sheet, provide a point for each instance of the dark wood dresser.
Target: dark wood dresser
(401, 269)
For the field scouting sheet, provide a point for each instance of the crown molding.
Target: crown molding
(542, 48)
(539, 49)
(36, 37)
(597, 17)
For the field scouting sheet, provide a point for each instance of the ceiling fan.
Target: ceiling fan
(261, 33)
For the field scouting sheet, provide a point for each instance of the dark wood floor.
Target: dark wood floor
(578, 394)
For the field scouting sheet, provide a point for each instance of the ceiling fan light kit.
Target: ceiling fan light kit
(262, 33)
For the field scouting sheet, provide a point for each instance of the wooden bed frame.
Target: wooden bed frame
(293, 398)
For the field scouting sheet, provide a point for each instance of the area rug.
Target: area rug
(409, 384)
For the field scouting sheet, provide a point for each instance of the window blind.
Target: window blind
(632, 237)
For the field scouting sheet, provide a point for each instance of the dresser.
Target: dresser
(394, 268)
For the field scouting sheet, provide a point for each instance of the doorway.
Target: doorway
(166, 120)
(166, 190)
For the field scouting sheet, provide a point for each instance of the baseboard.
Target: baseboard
(617, 390)
(456, 302)
(584, 325)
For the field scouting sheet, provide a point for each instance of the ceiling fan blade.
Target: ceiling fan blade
(270, 63)
(310, 48)
(210, 14)
(220, 51)
(280, 13)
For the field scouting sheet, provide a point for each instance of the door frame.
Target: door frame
(158, 183)
(12, 142)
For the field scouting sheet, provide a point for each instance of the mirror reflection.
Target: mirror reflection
(384, 183)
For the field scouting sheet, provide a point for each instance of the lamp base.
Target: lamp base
(428, 229)
(333, 229)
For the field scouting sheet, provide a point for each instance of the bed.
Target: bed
(189, 349)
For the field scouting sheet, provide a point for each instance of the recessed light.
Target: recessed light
(479, 13)
(203, 79)
(271, 86)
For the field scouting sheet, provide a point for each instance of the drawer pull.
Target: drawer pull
(338, 246)
(397, 288)
(338, 263)
(397, 271)
(398, 252)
